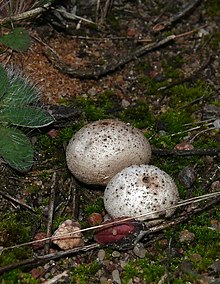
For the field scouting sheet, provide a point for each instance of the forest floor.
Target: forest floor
(156, 66)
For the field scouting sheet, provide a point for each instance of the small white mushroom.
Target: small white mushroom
(141, 189)
(103, 148)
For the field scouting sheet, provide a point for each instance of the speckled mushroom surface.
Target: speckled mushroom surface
(140, 189)
(103, 148)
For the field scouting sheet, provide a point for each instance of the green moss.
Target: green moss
(151, 86)
(15, 228)
(162, 141)
(104, 105)
(11, 256)
(146, 270)
(207, 245)
(205, 142)
(214, 41)
(216, 103)
(46, 142)
(185, 95)
(84, 273)
(142, 66)
(58, 220)
(114, 22)
(16, 276)
(26, 278)
(52, 150)
(171, 70)
(174, 120)
(97, 206)
(65, 134)
(138, 115)
(213, 8)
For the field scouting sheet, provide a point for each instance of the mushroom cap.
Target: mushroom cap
(141, 189)
(103, 148)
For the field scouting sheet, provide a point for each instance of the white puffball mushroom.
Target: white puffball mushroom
(141, 189)
(101, 149)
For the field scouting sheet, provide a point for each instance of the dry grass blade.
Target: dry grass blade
(15, 10)
(11, 8)
(214, 196)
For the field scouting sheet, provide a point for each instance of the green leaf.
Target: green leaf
(20, 92)
(16, 149)
(18, 40)
(4, 81)
(25, 117)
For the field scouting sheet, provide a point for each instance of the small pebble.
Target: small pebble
(125, 103)
(187, 176)
(215, 185)
(123, 263)
(101, 254)
(195, 257)
(136, 280)
(184, 146)
(215, 267)
(186, 236)
(104, 280)
(139, 250)
(116, 276)
(215, 224)
(116, 253)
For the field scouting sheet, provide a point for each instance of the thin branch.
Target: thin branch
(25, 15)
(190, 78)
(68, 16)
(152, 230)
(50, 212)
(75, 192)
(18, 202)
(111, 67)
(175, 18)
(40, 260)
(185, 215)
(114, 222)
(193, 152)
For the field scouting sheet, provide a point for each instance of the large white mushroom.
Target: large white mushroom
(139, 190)
(103, 148)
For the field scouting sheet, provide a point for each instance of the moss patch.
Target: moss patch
(84, 273)
(104, 105)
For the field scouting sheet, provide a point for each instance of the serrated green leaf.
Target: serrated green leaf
(25, 117)
(16, 149)
(18, 40)
(19, 92)
(4, 81)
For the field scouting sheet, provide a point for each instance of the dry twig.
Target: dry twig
(175, 18)
(193, 152)
(25, 15)
(111, 67)
(33, 262)
(50, 212)
(18, 202)
(150, 232)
